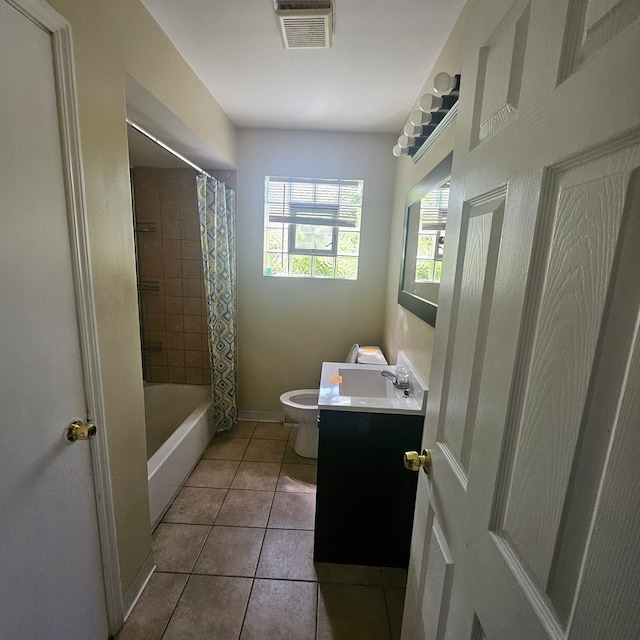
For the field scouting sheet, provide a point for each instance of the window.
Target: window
(433, 220)
(312, 227)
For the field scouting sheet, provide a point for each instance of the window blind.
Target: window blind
(308, 201)
(433, 208)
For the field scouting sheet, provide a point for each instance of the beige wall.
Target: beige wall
(153, 62)
(403, 330)
(288, 327)
(112, 37)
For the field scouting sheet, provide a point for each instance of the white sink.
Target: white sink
(364, 382)
(361, 387)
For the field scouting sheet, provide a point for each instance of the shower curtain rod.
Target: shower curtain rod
(166, 147)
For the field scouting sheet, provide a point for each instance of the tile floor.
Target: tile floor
(234, 556)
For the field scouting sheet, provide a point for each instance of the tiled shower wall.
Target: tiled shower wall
(170, 277)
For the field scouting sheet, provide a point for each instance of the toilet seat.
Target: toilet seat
(301, 395)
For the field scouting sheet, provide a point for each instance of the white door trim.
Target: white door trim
(51, 21)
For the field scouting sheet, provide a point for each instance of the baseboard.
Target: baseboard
(131, 595)
(260, 416)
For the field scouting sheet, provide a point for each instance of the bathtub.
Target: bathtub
(179, 424)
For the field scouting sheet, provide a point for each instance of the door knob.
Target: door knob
(414, 460)
(78, 430)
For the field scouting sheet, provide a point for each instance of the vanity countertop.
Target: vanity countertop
(376, 395)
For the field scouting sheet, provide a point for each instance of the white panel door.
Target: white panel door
(51, 582)
(528, 527)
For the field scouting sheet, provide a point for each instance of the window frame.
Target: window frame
(319, 211)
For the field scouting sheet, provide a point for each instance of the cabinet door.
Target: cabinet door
(365, 498)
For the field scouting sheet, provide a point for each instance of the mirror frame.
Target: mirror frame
(424, 309)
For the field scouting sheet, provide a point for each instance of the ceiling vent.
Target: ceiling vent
(305, 25)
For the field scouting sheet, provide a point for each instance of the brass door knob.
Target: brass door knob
(78, 430)
(414, 460)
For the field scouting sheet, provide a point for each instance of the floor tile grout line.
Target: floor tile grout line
(386, 607)
(191, 573)
(253, 578)
(273, 579)
(318, 583)
(197, 486)
(166, 626)
(264, 535)
(317, 620)
(232, 479)
(201, 549)
(266, 526)
(263, 528)
(263, 538)
(246, 608)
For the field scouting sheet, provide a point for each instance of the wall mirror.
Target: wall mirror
(424, 242)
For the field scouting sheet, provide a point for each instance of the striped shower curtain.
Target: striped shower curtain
(216, 205)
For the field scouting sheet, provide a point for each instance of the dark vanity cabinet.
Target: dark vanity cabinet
(365, 497)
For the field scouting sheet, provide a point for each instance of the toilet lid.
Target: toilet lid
(353, 354)
(371, 355)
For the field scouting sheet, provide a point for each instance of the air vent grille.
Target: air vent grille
(305, 28)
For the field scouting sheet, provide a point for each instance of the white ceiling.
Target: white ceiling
(368, 81)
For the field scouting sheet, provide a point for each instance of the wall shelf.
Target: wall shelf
(145, 227)
(148, 285)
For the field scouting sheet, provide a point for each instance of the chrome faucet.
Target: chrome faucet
(399, 382)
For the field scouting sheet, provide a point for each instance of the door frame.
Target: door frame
(47, 18)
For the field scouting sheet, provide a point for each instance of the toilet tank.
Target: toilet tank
(366, 355)
(371, 355)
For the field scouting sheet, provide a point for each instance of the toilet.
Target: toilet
(301, 405)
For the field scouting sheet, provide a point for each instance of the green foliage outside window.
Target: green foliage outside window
(348, 243)
(300, 265)
(276, 264)
(323, 267)
(346, 268)
(275, 240)
(424, 271)
(426, 246)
